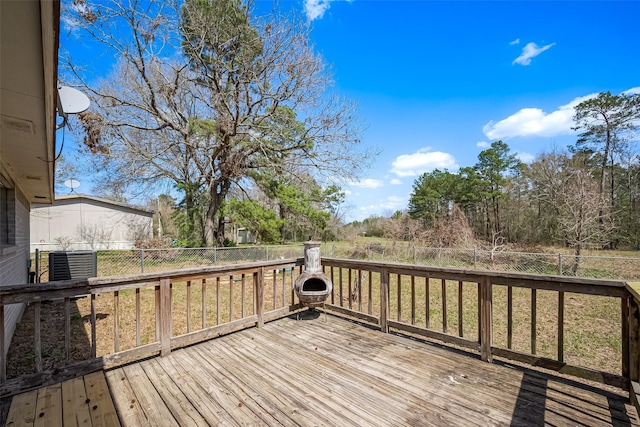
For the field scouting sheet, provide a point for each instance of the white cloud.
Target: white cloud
(531, 50)
(424, 160)
(516, 41)
(367, 183)
(395, 181)
(483, 144)
(315, 9)
(525, 157)
(535, 122)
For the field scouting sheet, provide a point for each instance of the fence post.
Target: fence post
(266, 248)
(475, 259)
(141, 260)
(333, 250)
(215, 255)
(560, 264)
(415, 261)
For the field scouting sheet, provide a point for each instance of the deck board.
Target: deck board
(311, 373)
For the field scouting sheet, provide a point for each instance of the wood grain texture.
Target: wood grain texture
(308, 372)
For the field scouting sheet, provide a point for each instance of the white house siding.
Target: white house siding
(14, 265)
(87, 223)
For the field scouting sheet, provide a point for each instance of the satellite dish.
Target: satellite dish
(72, 184)
(71, 101)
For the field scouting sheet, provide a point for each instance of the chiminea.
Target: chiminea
(312, 286)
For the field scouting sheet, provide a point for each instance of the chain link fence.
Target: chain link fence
(119, 262)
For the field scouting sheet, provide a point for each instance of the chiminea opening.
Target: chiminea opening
(314, 285)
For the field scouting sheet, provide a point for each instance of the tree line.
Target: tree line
(587, 195)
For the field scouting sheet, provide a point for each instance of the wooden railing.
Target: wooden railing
(223, 299)
(463, 308)
(389, 295)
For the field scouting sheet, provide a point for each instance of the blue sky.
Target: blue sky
(438, 81)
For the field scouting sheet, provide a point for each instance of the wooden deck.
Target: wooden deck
(312, 373)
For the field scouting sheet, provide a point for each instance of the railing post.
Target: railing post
(165, 317)
(633, 339)
(258, 291)
(384, 300)
(3, 356)
(486, 296)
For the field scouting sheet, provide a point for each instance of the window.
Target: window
(7, 216)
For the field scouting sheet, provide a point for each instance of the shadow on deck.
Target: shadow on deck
(309, 372)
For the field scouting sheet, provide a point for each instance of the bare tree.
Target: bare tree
(205, 93)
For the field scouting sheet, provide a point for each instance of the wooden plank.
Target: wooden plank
(486, 324)
(231, 304)
(188, 306)
(116, 321)
(258, 292)
(218, 301)
(413, 300)
(355, 314)
(561, 327)
(427, 303)
(49, 407)
(75, 406)
(340, 284)
(204, 303)
(172, 396)
(564, 368)
(534, 318)
(165, 317)
(634, 339)
(3, 350)
(155, 410)
(509, 316)
(94, 337)
(384, 301)
(37, 328)
(624, 321)
(212, 332)
(199, 389)
(444, 305)
(138, 320)
(440, 336)
(101, 407)
(460, 303)
(399, 298)
(350, 290)
(333, 290)
(243, 298)
(23, 409)
(370, 295)
(158, 302)
(125, 400)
